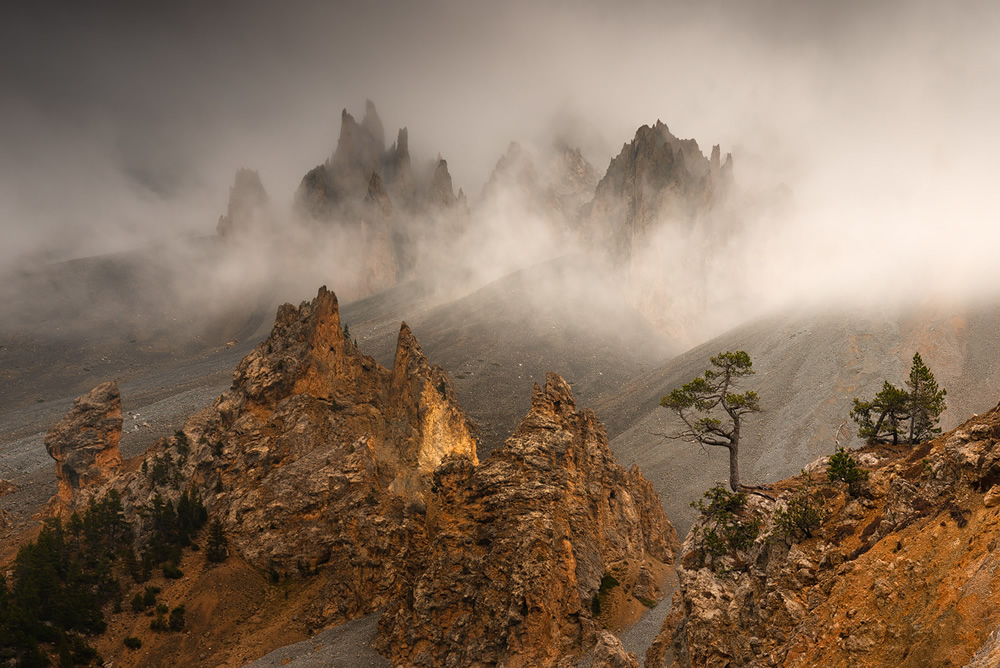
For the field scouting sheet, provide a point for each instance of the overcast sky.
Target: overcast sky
(126, 121)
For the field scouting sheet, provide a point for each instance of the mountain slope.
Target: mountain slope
(809, 367)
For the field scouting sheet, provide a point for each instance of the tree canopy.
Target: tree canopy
(895, 415)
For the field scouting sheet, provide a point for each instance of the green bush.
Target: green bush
(177, 618)
(800, 516)
(843, 468)
(132, 642)
(726, 530)
(171, 572)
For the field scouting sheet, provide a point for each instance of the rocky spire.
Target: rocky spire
(442, 193)
(248, 204)
(85, 442)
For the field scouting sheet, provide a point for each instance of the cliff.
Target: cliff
(904, 573)
(522, 543)
(85, 443)
(655, 179)
(248, 206)
(363, 484)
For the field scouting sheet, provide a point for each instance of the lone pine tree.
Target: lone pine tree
(712, 411)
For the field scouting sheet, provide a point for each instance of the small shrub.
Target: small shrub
(726, 531)
(608, 582)
(132, 642)
(595, 604)
(800, 516)
(177, 618)
(171, 572)
(843, 468)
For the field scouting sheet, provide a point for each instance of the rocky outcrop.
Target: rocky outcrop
(610, 653)
(322, 464)
(550, 188)
(657, 214)
(521, 544)
(656, 178)
(872, 584)
(368, 198)
(248, 206)
(85, 442)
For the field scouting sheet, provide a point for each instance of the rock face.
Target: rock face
(369, 199)
(551, 188)
(322, 464)
(610, 653)
(85, 443)
(656, 177)
(521, 543)
(658, 215)
(248, 205)
(905, 575)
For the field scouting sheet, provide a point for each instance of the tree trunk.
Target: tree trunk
(734, 468)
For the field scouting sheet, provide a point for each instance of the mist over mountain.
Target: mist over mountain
(572, 207)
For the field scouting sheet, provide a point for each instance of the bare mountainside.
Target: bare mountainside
(809, 368)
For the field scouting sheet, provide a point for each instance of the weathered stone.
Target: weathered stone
(85, 443)
(521, 543)
(610, 653)
(318, 461)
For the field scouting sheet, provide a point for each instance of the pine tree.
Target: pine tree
(925, 402)
(881, 419)
(217, 542)
(711, 409)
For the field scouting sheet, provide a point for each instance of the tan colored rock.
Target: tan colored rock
(85, 443)
(521, 543)
(322, 464)
(992, 498)
(610, 653)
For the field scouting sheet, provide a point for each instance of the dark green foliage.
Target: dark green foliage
(727, 528)
(182, 445)
(177, 618)
(159, 622)
(160, 471)
(217, 550)
(171, 572)
(608, 582)
(61, 582)
(800, 517)
(896, 415)
(926, 402)
(843, 468)
(712, 411)
(881, 420)
(149, 597)
(132, 642)
(595, 604)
